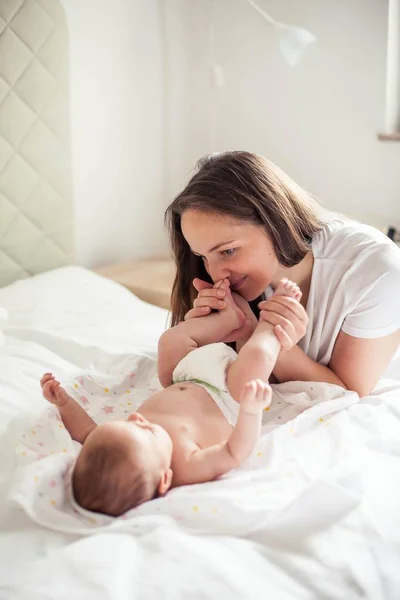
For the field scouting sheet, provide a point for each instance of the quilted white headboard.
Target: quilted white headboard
(35, 165)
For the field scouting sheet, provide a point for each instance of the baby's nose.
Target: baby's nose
(135, 417)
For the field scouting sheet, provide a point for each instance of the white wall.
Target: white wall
(117, 104)
(142, 106)
(318, 121)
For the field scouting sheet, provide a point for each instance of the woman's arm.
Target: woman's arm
(360, 362)
(356, 363)
(295, 365)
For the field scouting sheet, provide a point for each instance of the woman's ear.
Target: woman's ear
(165, 482)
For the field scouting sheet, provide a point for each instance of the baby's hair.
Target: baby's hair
(104, 481)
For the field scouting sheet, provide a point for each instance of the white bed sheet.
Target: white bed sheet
(324, 517)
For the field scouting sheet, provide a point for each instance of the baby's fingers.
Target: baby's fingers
(267, 395)
(49, 390)
(45, 378)
(249, 392)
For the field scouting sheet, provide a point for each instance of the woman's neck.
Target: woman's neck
(300, 274)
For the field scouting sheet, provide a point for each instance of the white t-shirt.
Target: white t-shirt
(355, 287)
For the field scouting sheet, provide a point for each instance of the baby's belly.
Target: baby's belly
(192, 414)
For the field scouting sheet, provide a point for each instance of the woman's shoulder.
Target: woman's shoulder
(345, 239)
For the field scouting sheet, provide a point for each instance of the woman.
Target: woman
(242, 218)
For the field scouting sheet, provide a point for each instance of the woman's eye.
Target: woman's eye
(229, 252)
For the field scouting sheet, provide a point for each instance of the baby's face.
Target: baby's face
(142, 441)
(152, 438)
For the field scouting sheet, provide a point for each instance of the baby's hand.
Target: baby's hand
(49, 387)
(256, 396)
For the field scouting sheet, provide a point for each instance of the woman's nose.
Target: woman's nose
(218, 271)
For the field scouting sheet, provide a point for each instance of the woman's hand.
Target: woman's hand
(208, 298)
(288, 317)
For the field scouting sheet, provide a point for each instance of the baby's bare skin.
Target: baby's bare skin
(185, 411)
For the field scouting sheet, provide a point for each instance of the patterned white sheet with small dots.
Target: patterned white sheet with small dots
(45, 454)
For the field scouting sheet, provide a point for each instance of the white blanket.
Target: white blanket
(278, 471)
(314, 516)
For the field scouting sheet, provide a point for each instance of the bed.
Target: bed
(313, 513)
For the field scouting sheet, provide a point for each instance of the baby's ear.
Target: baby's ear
(165, 482)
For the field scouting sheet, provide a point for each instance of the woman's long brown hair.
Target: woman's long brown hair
(251, 189)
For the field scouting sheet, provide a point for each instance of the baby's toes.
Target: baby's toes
(294, 289)
(218, 284)
(286, 288)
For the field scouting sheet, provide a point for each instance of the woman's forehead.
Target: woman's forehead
(193, 219)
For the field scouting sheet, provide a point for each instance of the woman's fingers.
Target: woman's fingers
(285, 339)
(209, 298)
(197, 312)
(199, 284)
(209, 301)
(275, 319)
(285, 306)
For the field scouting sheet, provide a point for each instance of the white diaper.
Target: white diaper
(207, 367)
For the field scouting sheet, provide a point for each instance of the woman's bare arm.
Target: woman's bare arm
(356, 364)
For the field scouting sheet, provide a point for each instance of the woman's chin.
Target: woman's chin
(250, 294)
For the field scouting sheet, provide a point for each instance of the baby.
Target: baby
(205, 422)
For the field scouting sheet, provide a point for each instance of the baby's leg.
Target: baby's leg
(215, 326)
(284, 288)
(177, 342)
(258, 356)
(76, 420)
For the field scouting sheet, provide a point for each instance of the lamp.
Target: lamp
(293, 41)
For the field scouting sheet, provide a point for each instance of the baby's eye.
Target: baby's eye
(229, 252)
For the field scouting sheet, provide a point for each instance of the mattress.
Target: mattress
(313, 514)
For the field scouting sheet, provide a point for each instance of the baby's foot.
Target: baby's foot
(52, 390)
(288, 288)
(232, 314)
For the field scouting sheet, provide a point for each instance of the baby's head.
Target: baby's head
(121, 465)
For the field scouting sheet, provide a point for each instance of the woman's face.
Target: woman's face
(241, 252)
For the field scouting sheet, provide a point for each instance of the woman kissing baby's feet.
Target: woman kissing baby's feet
(232, 313)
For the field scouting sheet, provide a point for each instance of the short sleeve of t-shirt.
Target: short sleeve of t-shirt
(374, 287)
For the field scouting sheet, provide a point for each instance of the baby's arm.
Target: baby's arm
(210, 463)
(76, 420)
(177, 342)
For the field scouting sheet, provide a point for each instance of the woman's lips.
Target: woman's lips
(238, 283)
